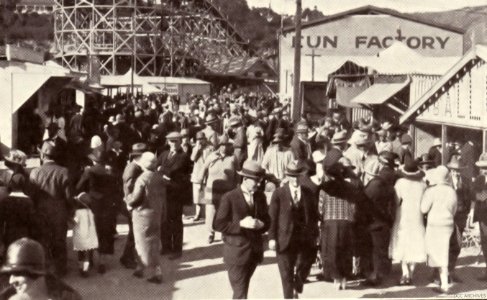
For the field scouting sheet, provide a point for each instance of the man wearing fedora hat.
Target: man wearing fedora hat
(463, 190)
(300, 145)
(175, 165)
(381, 194)
(60, 144)
(211, 128)
(51, 191)
(130, 174)
(435, 152)
(293, 230)
(479, 211)
(237, 132)
(277, 156)
(243, 218)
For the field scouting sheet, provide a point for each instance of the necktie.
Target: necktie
(251, 201)
(171, 154)
(296, 200)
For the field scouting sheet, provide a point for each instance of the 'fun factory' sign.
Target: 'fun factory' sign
(370, 34)
(377, 42)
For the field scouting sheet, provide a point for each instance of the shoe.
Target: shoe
(128, 264)
(175, 256)
(337, 284)
(102, 269)
(211, 238)
(155, 279)
(138, 274)
(405, 281)
(441, 290)
(295, 295)
(83, 273)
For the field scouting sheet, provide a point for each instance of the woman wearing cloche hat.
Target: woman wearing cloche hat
(440, 204)
(407, 239)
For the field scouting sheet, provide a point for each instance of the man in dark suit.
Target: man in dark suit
(464, 200)
(238, 133)
(59, 144)
(175, 166)
(293, 230)
(300, 145)
(242, 218)
(130, 174)
(468, 157)
(53, 201)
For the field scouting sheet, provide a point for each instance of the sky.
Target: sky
(335, 6)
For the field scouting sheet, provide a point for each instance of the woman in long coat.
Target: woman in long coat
(440, 204)
(407, 241)
(148, 206)
(220, 170)
(101, 185)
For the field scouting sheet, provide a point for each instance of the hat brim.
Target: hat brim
(416, 174)
(8, 269)
(251, 175)
(211, 121)
(335, 142)
(384, 161)
(426, 162)
(295, 173)
(8, 160)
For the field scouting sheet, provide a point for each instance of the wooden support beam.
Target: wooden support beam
(444, 140)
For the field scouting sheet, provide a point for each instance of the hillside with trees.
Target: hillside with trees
(257, 25)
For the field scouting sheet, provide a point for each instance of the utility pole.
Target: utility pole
(297, 104)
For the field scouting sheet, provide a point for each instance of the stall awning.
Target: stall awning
(379, 93)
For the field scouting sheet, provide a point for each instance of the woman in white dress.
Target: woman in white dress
(440, 204)
(407, 240)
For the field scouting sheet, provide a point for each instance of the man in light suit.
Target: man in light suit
(130, 174)
(293, 231)
(243, 218)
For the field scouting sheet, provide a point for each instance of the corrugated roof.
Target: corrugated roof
(236, 66)
(380, 92)
(374, 10)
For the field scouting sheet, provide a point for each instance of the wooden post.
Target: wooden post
(484, 144)
(297, 101)
(444, 137)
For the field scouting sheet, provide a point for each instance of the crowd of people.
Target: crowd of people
(351, 196)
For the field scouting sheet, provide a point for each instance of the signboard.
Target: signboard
(323, 46)
(463, 103)
(168, 88)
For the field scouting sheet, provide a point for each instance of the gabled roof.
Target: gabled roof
(467, 61)
(374, 10)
